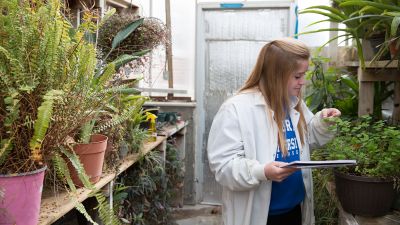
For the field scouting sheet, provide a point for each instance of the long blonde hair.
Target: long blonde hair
(276, 62)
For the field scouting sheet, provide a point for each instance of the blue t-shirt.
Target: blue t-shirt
(290, 192)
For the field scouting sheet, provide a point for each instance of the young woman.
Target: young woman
(263, 127)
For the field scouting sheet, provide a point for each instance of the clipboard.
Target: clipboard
(320, 164)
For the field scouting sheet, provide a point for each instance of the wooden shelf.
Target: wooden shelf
(376, 72)
(172, 129)
(54, 206)
(376, 64)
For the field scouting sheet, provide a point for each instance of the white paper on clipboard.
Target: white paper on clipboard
(320, 164)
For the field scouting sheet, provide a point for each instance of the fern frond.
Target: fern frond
(86, 131)
(126, 115)
(6, 146)
(106, 75)
(12, 107)
(81, 208)
(105, 213)
(62, 171)
(77, 165)
(42, 122)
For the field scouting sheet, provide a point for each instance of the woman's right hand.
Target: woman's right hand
(273, 171)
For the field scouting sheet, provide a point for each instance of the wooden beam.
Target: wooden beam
(378, 74)
(396, 103)
(366, 98)
(169, 47)
(376, 64)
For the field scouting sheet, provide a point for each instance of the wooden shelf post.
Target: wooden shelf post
(375, 72)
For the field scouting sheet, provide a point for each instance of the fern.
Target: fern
(12, 108)
(62, 171)
(6, 146)
(86, 131)
(126, 115)
(77, 165)
(106, 75)
(105, 214)
(42, 123)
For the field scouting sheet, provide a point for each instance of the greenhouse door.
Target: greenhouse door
(229, 38)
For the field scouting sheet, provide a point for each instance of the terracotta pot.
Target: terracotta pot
(365, 196)
(91, 156)
(22, 195)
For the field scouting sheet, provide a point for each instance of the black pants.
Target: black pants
(293, 217)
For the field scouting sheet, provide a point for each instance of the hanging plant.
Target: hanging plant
(150, 33)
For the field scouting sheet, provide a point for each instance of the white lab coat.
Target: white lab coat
(242, 139)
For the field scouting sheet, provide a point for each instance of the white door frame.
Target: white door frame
(200, 74)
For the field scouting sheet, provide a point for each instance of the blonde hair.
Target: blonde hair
(276, 62)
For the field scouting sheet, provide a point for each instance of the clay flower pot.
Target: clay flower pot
(91, 156)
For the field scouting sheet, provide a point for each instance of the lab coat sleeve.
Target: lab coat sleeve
(318, 130)
(226, 153)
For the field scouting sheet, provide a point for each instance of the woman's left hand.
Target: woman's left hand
(330, 113)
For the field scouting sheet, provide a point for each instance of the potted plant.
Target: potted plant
(386, 16)
(369, 188)
(363, 20)
(331, 87)
(51, 83)
(150, 33)
(29, 93)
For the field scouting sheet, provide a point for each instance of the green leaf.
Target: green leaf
(394, 26)
(369, 3)
(77, 165)
(346, 79)
(42, 122)
(62, 170)
(330, 9)
(86, 131)
(124, 59)
(326, 29)
(6, 146)
(106, 75)
(366, 16)
(126, 32)
(316, 100)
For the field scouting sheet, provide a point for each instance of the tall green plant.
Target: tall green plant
(374, 144)
(331, 87)
(361, 18)
(146, 202)
(51, 84)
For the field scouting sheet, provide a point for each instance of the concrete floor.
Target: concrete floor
(198, 215)
(201, 220)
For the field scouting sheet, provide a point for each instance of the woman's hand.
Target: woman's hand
(273, 171)
(330, 113)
